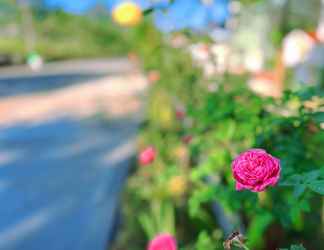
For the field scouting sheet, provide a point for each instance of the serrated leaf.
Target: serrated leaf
(299, 190)
(291, 180)
(317, 186)
(312, 175)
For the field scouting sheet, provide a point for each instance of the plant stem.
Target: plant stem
(241, 245)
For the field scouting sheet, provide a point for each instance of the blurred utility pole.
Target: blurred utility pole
(28, 30)
(320, 35)
(320, 25)
(285, 16)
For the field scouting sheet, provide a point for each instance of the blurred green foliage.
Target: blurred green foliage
(224, 123)
(59, 35)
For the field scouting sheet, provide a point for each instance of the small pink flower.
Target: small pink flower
(153, 76)
(180, 113)
(163, 242)
(147, 156)
(186, 139)
(255, 169)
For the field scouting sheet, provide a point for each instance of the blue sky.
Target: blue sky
(182, 14)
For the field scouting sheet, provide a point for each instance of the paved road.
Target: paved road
(60, 178)
(21, 80)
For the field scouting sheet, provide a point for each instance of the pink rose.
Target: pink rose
(163, 242)
(147, 156)
(255, 169)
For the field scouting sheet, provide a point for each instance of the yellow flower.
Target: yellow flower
(160, 110)
(294, 104)
(127, 14)
(177, 185)
(181, 154)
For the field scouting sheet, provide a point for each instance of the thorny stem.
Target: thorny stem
(241, 245)
(245, 247)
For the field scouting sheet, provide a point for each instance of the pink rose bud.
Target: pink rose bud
(163, 242)
(186, 139)
(180, 114)
(147, 156)
(255, 169)
(153, 76)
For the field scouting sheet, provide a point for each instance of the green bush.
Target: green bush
(223, 123)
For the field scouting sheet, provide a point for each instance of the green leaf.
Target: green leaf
(312, 175)
(147, 225)
(148, 11)
(294, 247)
(204, 242)
(319, 117)
(317, 186)
(304, 206)
(200, 196)
(299, 190)
(291, 180)
(297, 247)
(258, 225)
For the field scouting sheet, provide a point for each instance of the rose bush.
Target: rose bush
(222, 123)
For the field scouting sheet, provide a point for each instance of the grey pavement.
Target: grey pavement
(61, 179)
(22, 80)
